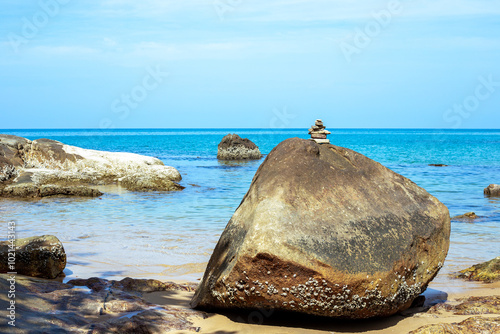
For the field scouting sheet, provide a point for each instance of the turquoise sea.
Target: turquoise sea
(171, 235)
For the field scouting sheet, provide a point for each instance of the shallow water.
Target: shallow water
(171, 235)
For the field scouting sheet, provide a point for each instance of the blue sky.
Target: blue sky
(256, 64)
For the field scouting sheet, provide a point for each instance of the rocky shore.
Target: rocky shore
(93, 306)
(129, 305)
(46, 167)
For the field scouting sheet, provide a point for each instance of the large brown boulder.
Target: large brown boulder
(324, 230)
(42, 256)
(233, 147)
(492, 190)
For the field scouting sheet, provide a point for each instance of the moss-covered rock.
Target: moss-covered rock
(42, 256)
(466, 216)
(484, 272)
(470, 306)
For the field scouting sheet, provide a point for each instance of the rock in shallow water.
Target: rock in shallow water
(42, 256)
(469, 216)
(32, 190)
(324, 230)
(484, 272)
(492, 190)
(233, 147)
(46, 167)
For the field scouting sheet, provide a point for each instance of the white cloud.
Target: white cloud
(64, 50)
(127, 31)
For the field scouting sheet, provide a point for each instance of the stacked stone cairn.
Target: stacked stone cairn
(318, 133)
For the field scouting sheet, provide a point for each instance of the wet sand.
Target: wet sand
(266, 322)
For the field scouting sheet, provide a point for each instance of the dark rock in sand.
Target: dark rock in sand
(324, 230)
(466, 306)
(52, 307)
(485, 272)
(94, 283)
(473, 325)
(466, 216)
(469, 306)
(158, 321)
(131, 284)
(492, 190)
(151, 285)
(233, 147)
(42, 256)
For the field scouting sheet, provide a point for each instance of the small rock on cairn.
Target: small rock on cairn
(318, 133)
